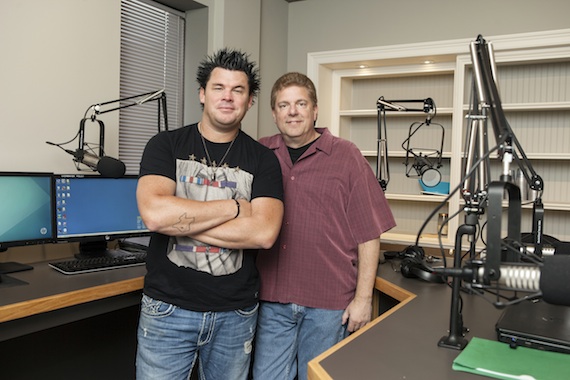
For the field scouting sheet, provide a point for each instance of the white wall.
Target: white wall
(58, 58)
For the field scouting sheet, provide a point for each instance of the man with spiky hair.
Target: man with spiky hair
(212, 196)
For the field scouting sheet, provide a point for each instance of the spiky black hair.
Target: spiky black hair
(229, 59)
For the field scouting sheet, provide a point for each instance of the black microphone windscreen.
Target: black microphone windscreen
(554, 280)
(111, 167)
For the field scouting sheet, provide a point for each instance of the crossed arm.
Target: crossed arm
(211, 222)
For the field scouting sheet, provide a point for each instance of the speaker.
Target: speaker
(412, 265)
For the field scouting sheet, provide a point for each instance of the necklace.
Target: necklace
(213, 164)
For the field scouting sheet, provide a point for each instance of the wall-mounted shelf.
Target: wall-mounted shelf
(534, 84)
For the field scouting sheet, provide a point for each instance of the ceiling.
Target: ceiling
(181, 5)
(188, 5)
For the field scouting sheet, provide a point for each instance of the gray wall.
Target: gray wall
(320, 25)
(196, 48)
(324, 25)
(273, 59)
(258, 27)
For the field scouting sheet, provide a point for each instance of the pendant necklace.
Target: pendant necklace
(212, 164)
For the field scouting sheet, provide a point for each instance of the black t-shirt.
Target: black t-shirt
(189, 273)
(296, 153)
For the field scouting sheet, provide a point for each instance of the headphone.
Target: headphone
(412, 265)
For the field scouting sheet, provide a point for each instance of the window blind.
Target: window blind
(152, 56)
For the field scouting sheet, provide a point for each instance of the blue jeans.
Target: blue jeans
(170, 339)
(289, 336)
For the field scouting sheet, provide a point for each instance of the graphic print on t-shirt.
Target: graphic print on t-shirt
(198, 181)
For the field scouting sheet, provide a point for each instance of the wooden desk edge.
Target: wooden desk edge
(316, 371)
(62, 300)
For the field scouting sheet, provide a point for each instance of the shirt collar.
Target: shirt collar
(323, 143)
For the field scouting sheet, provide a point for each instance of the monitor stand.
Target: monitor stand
(92, 249)
(12, 267)
(7, 281)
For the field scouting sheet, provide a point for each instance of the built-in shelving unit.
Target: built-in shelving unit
(534, 83)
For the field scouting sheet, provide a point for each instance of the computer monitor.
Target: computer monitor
(26, 213)
(94, 210)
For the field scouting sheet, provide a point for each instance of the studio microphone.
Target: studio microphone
(429, 176)
(551, 278)
(107, 166)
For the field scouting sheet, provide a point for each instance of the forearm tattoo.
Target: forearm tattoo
(184, 223)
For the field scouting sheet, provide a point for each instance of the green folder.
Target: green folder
(498, 360)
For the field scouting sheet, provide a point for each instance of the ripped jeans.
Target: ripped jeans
(171, 339)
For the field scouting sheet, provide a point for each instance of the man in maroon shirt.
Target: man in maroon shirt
(317, 280)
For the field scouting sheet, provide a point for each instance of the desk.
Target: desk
(78, 326)
(402, 343)
(51, 299)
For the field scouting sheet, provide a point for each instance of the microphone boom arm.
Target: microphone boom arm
(487, 106)
(135, 100)
(108, 166)
(382, 166)
(509, 146)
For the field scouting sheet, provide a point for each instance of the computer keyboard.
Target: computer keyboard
(96, 264)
